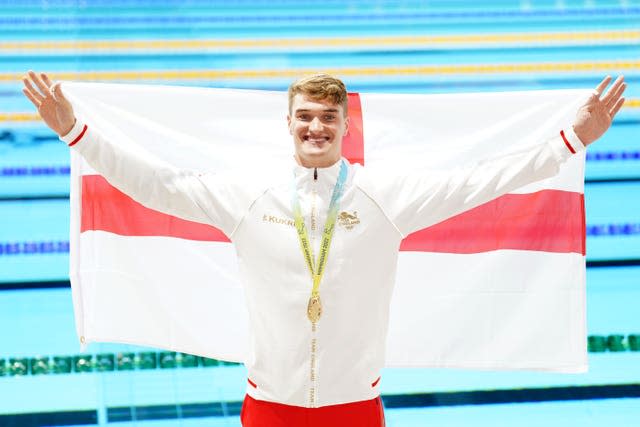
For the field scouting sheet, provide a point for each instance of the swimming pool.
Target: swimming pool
(381, 46)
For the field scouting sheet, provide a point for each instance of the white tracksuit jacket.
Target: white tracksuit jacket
(254, 211)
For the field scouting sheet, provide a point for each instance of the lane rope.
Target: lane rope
(273, 44)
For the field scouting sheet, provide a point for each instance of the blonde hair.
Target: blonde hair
(320, 87)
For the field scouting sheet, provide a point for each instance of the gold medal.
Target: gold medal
(314, 308)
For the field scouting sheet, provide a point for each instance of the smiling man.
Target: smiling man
(318, 294)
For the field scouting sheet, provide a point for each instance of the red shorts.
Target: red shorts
(258, 413)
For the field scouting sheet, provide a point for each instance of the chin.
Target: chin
(314, 155)
(316, 152)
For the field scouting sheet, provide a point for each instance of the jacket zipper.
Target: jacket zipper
(312, 362)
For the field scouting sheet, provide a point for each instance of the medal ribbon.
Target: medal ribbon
(317, 268)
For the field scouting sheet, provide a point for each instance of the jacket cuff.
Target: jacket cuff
(76, 134)
(571, 141)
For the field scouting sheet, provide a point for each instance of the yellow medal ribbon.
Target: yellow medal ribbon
(314, 307)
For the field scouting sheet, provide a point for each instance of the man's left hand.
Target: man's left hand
(595, 116)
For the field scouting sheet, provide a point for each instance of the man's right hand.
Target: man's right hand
(53, 107)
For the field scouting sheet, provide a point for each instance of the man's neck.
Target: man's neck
(324, 162)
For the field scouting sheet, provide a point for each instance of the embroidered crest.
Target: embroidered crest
(348, 220)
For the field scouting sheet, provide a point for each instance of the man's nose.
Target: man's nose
(315, 125)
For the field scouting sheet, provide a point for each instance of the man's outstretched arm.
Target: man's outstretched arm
(416, 200)
(154, 183)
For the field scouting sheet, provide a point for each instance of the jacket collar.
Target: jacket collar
(327, 175)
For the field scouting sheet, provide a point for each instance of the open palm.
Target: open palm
(53, 107)
(595, 116)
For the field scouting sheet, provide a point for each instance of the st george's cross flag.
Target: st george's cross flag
(501, 286)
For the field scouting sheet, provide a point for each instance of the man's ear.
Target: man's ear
(346, 126)
(289, 124)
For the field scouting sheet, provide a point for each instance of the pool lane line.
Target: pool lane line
(270, 44)
(374, 71)
(339, 17)
(34, 117)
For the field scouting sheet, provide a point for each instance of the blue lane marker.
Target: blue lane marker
(31, 248)
(625, 229)
(613, 156)
(22, 171)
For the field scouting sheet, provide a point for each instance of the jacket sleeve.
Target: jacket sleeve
(216, 199)
(417, 200)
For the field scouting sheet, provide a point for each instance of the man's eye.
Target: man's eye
(329, 117)
(303, 117)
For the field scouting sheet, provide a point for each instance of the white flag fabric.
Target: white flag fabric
(501, 286)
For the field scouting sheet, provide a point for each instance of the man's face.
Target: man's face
(317, 128)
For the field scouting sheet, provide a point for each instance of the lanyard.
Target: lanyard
(314, 308)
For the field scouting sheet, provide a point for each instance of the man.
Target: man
(318, 294)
